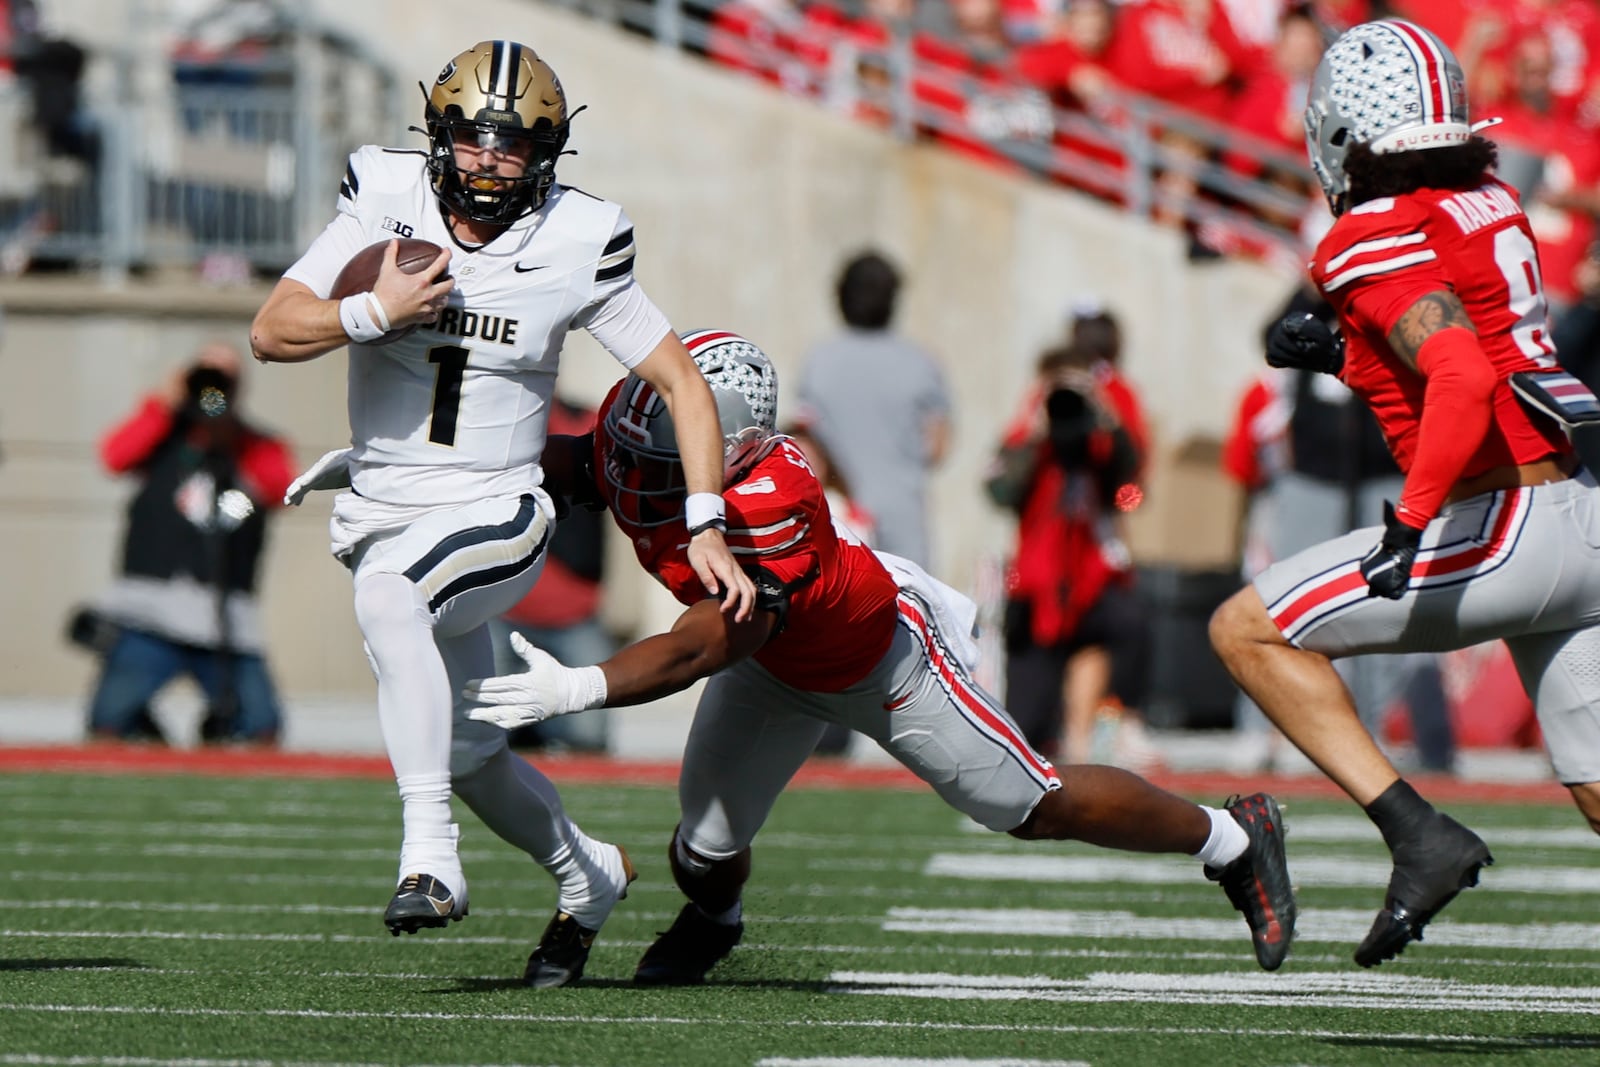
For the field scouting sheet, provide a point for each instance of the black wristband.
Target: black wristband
(718, 524)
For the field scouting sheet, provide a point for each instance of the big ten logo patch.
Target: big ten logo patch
(404, 229)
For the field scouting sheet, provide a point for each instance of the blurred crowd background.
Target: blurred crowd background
(197, 149)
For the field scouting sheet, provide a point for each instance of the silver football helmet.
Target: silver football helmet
(1390, 85)
(640, 447)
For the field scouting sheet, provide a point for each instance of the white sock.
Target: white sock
(591, 880)
(1227, 842)
(414, 708)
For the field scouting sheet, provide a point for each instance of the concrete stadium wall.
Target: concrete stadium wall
(745, 203)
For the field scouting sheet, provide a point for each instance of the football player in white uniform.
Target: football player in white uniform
(445, 525)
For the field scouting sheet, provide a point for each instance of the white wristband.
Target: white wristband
(589, 685)
(355, 315)
(701, 508)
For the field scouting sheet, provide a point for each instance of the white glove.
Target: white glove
(546, 689)
(332, 471)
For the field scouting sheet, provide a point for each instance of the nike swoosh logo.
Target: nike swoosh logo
(520, 269)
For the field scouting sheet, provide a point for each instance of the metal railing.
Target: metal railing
(1120, 152)
(220, 164)
(214, 164)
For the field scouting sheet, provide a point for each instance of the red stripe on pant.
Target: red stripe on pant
(971, 698)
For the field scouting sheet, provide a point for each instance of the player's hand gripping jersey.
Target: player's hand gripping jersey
(835, 601)
(1381, 257)
(457, 410)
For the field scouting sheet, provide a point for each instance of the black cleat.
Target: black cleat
(422, 900)
(563, 948)
(561, 954)
(689, 948)
(1428, 873)
(1257, 883)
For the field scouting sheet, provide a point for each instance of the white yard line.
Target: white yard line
(1336, 990)
(1344, 925)
(1329, 872)
(724, 1020)
(911, 1061)
(37, 1059)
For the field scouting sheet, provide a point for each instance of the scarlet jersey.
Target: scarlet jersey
(840, 609)
(1381, 257)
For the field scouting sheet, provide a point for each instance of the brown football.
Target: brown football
(361, 273)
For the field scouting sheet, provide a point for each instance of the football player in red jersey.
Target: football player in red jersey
(840, 634)
(1432, 269)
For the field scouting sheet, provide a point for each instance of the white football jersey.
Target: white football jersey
(457, 410)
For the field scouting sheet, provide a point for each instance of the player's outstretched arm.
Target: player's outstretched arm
(704, 640)
(672, 371)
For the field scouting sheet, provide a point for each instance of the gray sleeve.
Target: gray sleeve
(933, 394)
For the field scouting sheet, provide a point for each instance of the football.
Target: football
(361, 273)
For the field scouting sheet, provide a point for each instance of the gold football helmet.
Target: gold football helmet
(496, 94)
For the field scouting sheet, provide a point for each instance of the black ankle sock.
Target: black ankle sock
(1399, 812)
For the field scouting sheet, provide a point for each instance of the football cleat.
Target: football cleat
(690, 947)
(421, 900)
(1429, 871)
(563, 948)
(1257, 883)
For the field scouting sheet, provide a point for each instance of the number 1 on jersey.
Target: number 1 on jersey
(452, 364)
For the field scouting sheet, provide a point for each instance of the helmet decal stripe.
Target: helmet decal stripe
(642, 399)
(694, 342)
(513, 72)
(497, 58)
(1430, 71)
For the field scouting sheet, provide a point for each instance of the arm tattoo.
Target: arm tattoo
(1439, 310)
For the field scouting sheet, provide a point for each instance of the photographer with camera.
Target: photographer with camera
(1076, 633)
(184, 598)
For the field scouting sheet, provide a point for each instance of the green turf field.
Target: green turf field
(234, 921)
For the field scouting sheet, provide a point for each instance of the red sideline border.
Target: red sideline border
(817, 774)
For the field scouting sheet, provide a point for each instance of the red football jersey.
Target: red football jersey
(841, 614)
(1382, 256)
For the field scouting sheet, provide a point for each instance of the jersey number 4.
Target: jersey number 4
(452, 363)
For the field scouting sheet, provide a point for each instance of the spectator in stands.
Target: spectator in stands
(780, 41)
(1186, 54)
(184, 600)
(1554, 162)
(1490, 34)
(1075, 633)
(1068, 60)
(1340, 15)
(1272, 101)
(1071, 64)
(561, 613)
(879, 404)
